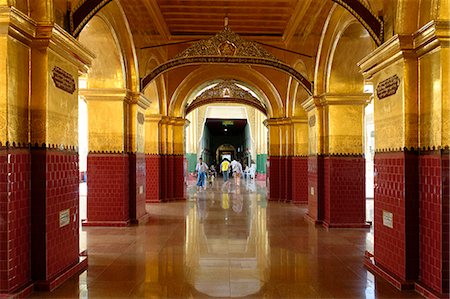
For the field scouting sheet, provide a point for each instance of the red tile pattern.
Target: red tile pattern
(108, 188)
(433, 221)
(55, 188)
(170, 177)
(179, 177)
(152, 178)
(344, 200)
(299, 179)
(288, 181)
(446, 221)
(396, 249)
(273, 174)
(14, 219)
(315, 188)
(137, 186)
(163, 177)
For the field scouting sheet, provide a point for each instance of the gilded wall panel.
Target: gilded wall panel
(18, 91)
(140, 130)
(313, 132)
(3, 88)
(345, 129)
(62, 106)
(430, 113)
(445, 86)
(106, 125)
(388, 112)
(301, 139)
(151, 137)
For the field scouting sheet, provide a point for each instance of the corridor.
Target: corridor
(220, 245)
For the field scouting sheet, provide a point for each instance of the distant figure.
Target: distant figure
(225, 169)
(237, 172)
(201, 169)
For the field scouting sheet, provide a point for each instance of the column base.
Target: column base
(346, 225)
(50, 285)
(105, 223)
(23, 292)
(143, 219)
(310, 219)
(428, 293)
(261, 176)
(397, 282)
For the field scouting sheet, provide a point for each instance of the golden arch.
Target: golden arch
(208, 73)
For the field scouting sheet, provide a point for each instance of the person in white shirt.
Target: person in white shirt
(201, 169)
(237, 172)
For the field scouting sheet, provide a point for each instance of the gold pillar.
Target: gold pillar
(107, 115)
(137, 103)
(152, 133)
(163, 125)
(300, 136)
(315, 125)
(178, 136)
(274, 137)
(344, 120)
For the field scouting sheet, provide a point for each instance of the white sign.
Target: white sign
(388, 219)
(312, 191)
(64, 218)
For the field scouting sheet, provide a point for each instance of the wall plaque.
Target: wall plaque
(64, 218)
(140, 118)
(388, 87)
(388, 219)
(63, 80)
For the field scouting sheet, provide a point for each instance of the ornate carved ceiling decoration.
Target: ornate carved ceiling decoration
(226, 92)
(227, 47)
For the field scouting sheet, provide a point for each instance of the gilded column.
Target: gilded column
(56, 60)
(344, 163)
(274, 160)
(152, 157)
(137, 103)
(410, 73)
(163, 163)
(315, 159)
(300, 160)
(179, 125)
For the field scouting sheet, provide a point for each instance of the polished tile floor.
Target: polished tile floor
(226, 244)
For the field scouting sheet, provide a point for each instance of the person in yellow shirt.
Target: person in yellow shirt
(225, 169)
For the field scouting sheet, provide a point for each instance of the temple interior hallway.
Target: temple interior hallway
(226, 244)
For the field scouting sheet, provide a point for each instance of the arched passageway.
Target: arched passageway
(306, 62)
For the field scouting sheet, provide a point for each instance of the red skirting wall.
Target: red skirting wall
(152, 178)
(396, 250)
(299, 179)
(288, 180)
(274, 187)
(55, 188)
(163, 181)
(15, 270)
(108, 190)
(170, 178)
(137, 187)
(345, 196)
(315, 189)
(434, 220)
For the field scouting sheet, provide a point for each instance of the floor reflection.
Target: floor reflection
(226, 244)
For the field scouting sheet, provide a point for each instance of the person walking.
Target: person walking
(237, 172)
(225, 169)
(201, 169)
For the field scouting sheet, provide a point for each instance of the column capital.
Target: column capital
(137, 98)
(328, 99)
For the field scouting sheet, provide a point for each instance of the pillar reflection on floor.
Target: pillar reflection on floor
(226, 244)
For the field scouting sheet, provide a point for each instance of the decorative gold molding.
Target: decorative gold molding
(328, 99)
(137, 98)
(103, 94)
(226, 92)
(226, 47)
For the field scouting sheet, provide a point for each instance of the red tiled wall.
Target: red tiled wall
(315, 181)
(299, 181)
(344, 182)
(55, 185)
(288, 181)
(137, 186)
(170, 177)
(14, 219)
(163, 182)
(108, 187)
(179, 177)
(273, 173)
(152, 178)
(396, 249)
(446, 221)
(433, 221)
